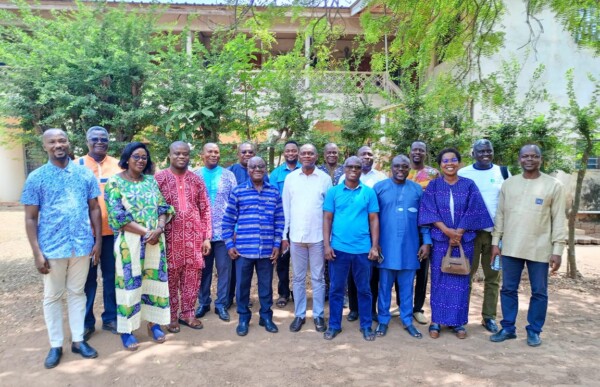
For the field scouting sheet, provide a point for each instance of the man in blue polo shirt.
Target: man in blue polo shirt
(351, 240)
(61, 210)
(255, 214)
(277, 178)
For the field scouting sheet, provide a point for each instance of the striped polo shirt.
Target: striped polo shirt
(258, 217)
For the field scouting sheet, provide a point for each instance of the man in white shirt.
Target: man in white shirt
(303, 195)
(488, 177)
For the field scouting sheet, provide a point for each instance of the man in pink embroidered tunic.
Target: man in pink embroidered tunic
(188, 234)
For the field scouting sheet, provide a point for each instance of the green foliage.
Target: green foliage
(82, 68)
(436, 114)
(429, 32)
(581, 18)
(512, 121)
(359, 125)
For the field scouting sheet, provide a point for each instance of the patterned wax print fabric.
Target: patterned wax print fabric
(335, 173)
(423, 176)
(141, 269)
(191, 224)
(450, 292)
(219, 183)
(62, 194)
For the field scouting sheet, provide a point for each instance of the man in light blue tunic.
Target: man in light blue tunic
(399, 200)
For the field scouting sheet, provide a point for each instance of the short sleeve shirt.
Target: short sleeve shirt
(62, 194)
(350, 231)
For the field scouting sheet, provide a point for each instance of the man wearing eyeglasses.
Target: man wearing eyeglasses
(351, 242)
(530, 222)
(103, 166)
(369, 176)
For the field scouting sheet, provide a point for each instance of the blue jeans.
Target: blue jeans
(218, 256)
(338, 275)
(107, 264)
(509, 295)
(264, 272)
(404, 280)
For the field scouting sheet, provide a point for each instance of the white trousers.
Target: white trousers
(303, 255)
(67, 274)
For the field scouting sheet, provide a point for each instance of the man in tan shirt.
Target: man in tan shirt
(530, 222)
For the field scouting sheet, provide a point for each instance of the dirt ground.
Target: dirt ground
(217, 356)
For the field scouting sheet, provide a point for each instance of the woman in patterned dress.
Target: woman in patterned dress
(455, 210)
(137, 212)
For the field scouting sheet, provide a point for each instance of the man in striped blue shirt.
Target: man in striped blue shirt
(256, 210)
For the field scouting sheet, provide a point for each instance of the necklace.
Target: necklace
(129, 177)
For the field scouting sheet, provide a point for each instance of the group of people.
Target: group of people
(360, 233)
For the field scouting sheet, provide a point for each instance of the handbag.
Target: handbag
(456, 265)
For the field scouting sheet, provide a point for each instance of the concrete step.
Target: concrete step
(586, 240)
(579, 231)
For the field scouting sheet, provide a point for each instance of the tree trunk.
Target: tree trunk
(571, 258)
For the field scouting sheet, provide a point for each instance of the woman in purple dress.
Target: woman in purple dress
(455, 210)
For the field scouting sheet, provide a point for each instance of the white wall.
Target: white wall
(556, 49)
(12, 172)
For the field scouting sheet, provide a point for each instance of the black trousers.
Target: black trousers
(283, 275)
(421, 286)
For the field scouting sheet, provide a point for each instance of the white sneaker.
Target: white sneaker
(395, 312)
(420, 318)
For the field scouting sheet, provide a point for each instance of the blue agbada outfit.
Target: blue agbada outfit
(399, 241)
(450, 292)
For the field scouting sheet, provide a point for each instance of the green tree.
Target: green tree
(511, 119)
(359, 124)
(79, 68)
(436, 113)
(583, 122)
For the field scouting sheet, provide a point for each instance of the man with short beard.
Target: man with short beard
(62, 216)
(219, 183)
(103, 166)
(187, 235)
(421, 174)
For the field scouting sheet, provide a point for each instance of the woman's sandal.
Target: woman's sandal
(174, 327)
(460, 331)
(434, 330)
(193, 323)
(129, 342)
(156, 333)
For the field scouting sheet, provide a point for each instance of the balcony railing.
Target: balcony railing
(344, 82)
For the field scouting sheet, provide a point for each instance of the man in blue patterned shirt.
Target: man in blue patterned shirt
(256, 210)
(219, 183)
(61, 208)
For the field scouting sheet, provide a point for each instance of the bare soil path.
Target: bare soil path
(216, 356)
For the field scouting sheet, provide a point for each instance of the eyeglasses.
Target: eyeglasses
(353, 167)
(247, 152)
(259, 167)
(138, 157)
(103, 140)
(452, 160)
